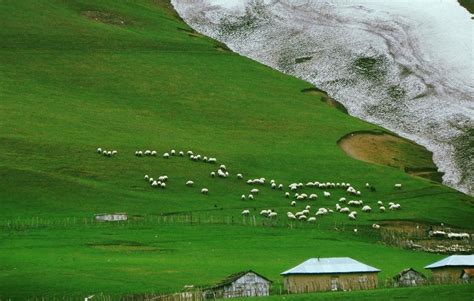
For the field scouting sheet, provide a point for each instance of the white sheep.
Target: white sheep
(300, 197)
(147, 152)
(394, 207)
(189, 153)
(322, 211)
(376, 226)
(272, 214)
(212, 160)
(146, 177)
(351, 216)
(310, 184)
(397, 186)
(150, 180)
(189, 183)
(242, 197)
(213, 174)
(204, 159)
(163, 185)
(254, 191)
(99, 150)
(345, 210)
(163, 178)
(246, 212)
(173, 152)
(338, 207)
(114, 152)
(327, 194)
(302, 217)
(204, 191)
(221, 173)
(250, 197)
(380, 203)
(280, 186)
(382, 209)
(154, 183)
(312, 219)
(308, 207)
(366, 208)
(273, 185)
(264, 212)
(287, 194)
(222, 167)
(291, 216)
(166, 155)
(313, 196)
(109, 153)
(342, 200)
(305, 212)
(240, 176)
(181, 153)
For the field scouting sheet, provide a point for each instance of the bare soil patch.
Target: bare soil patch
(383, 148)
(105, 17)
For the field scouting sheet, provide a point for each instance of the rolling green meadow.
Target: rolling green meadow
(130, 75)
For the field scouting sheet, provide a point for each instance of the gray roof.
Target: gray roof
(334, 265)
(454, 260)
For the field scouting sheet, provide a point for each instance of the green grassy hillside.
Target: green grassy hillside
(129, 75)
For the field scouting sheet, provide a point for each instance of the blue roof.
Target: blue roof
(334, 265)
(454, 260)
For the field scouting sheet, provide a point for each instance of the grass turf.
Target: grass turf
(70, 83)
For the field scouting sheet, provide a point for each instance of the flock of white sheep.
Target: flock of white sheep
(343, 206)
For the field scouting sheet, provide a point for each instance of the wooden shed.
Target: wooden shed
(111, 217)
(409, 277)
(242, 284)
(330, 274)
(450, 269)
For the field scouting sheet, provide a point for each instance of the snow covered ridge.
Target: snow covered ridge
(406, 65)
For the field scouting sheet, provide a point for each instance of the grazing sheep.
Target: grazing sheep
(345, 210)
(245, 212)
(380, 203)
(302, 217)
(166, 155)
(358, 192)
(375, 226)
(382, 209)
(280, 186)
(272, 214)
(163, 178)
(264, 212)
(310, 184)
(366, 208)
(354, 203)
(463, 235)
(197, 157)
(240, 176)
(312, 219)
(327, 194)
(287, 194)
(307, 207)
(313, 196)
(342, 200)
(153, 153)
(397, 186)
(146, 177)
(222, 167)
(273, 186)
(109, 153)
(300, 197)
(114, 152)
(355, 230)
(154, 184)
(150, 180)
(254, 191)
(367, 185)
(173, 152)
(305, 212)
(163, 185)
(291, 216)
(250, 196)
(293, 203)
(394, 207)
(204, 159)
(213, 174)
(189, 183)
(242, 197)
(189, 153)
(338, 207)
(147, 152)
(352, 216)
(221, 173)
(181, 153)
(322, 211)
(212, 160)
(99, 150)
(204, 191)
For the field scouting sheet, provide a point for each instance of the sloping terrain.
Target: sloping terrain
(127, 76)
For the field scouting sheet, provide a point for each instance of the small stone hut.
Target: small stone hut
(330, 274)
(450, 269)
(111, 217)
(241, 284)
(409, 277)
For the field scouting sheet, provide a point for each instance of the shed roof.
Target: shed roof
(334, 265)
(399, 275)
(454, 260)
(231, 278)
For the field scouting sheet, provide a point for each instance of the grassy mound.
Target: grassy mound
(73, 80)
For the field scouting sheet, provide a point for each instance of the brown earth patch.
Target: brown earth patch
(383, 148)
(105, 17)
